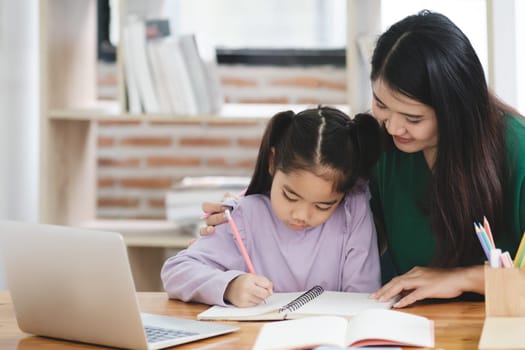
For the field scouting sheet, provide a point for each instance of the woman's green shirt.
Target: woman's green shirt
(399, 188)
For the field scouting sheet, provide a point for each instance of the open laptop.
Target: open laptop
(76, 284)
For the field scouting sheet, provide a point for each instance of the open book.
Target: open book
(282, 306)
(370, 327)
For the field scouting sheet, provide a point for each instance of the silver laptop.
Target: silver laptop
(76, 284)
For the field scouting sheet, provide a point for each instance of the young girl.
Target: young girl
(305, 219)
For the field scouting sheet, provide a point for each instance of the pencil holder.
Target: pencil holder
(504, 292)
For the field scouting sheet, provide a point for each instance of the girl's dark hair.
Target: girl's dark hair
(428, 58)
(317, 140)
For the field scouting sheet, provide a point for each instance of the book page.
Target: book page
(328, 303)
(271, 306)
(302, 333)
(390, 327)
(341, 304)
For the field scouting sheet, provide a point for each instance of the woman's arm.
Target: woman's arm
(425, 282)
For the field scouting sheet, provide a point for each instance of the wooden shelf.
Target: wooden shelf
(229, 112)
(146, 233)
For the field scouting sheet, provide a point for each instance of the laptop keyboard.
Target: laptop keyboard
(156, 334)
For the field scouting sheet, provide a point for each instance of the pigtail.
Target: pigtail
(261, 181)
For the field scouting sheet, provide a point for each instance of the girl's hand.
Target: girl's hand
(248, 290)
(424, 282)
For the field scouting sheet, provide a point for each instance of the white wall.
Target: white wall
(18, 112)
(502, 30)
(520, 56)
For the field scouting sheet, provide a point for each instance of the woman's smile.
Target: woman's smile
(402, 140)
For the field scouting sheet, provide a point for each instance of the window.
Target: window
(305, 32)
(262, 24)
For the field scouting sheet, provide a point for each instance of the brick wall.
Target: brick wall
(139, 161)
(295, 85)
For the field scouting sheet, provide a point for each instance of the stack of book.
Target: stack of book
(184, 200)
(165, 73)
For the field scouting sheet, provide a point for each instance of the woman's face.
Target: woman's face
(412, 124)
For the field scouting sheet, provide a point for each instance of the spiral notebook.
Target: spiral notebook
(283, 306)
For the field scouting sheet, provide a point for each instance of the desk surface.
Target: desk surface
(457, 325)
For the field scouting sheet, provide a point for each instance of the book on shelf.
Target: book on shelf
(178, 81)
(156, 30)
(295, 305)
(133, 101)
(225, 182)
(159, 76)
(197, 72)
(208, 53)
(139, 63)
(167, 72)
(373, 327)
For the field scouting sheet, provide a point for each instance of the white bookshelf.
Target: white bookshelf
(69, 109)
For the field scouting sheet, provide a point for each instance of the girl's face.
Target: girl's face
(412, 124)
(302, 199)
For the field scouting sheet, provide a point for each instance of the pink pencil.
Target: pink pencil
(486, 226)
(242, 248)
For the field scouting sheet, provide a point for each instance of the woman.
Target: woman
(454, 153)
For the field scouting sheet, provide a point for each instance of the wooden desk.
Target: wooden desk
(457, 325)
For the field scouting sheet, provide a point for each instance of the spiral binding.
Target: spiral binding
(302, 299)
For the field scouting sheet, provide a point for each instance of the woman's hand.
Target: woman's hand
(213, 217)
(424, 282)
(248, 290)
(214, 213)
